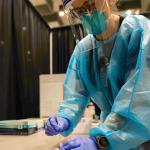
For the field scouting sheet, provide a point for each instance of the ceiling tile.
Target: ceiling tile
(38, 2)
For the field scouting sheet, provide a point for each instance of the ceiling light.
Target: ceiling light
(61, 11)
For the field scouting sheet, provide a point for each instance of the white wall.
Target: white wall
(51, 93)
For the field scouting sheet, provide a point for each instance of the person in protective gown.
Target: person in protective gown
(111, 66)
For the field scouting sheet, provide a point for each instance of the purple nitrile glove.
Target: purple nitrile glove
(56, 125)
(80, 143)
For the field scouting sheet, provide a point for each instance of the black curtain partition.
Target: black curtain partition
(63, 46)
(63, 43)
(24, 55)
(7, 96)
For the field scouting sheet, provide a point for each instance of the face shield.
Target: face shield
(93, 15)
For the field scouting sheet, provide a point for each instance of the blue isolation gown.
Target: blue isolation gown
(121, 89)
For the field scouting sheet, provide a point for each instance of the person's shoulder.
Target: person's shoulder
(85, 44)
(136, 21)
(133, 23)
(82, 46)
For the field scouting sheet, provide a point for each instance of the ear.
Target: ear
(111, 2)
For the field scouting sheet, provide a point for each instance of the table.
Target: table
(37, 141)
(40, 141)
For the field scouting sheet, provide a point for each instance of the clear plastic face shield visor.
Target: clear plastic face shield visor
(94, 15)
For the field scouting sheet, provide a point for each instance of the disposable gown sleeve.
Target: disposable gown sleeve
(128, 124)
(75, 96)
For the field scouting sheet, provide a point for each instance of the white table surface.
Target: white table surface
(40, 141)
(37, 141)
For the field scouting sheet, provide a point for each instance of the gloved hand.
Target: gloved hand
(56, 125)
(80, 143)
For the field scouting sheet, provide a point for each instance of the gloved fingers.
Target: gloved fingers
(61, 148)
(54, 123)
(61, 124)
(72, 149)
(71, 144)
(79, 148)
(75, 140)
(79, 143)
(49, 130)
(58, 124)
(66, 143)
